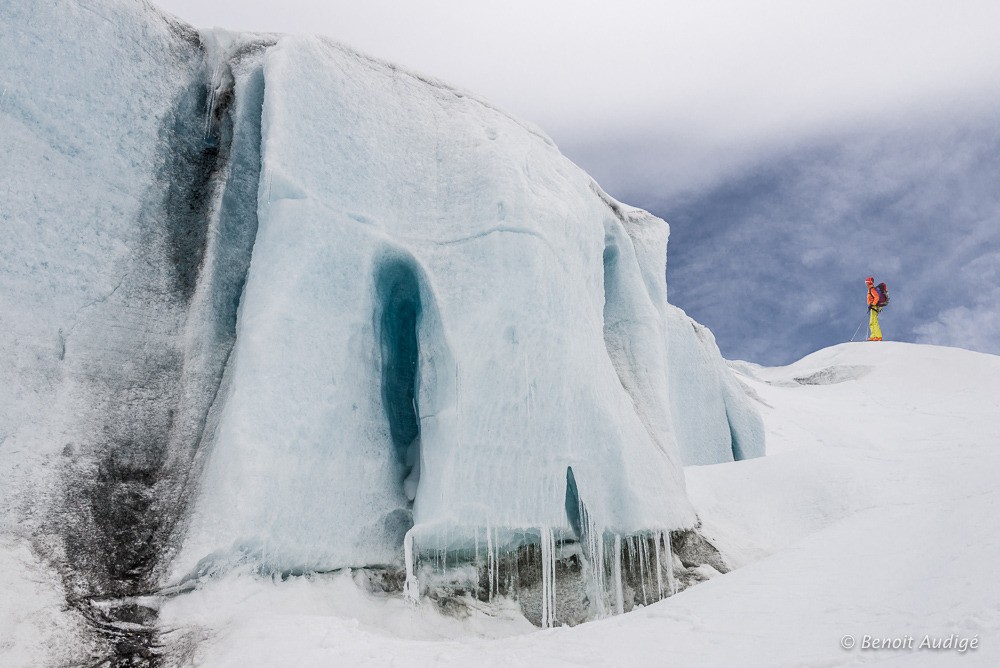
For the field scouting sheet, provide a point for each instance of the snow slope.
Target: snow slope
(874, 513)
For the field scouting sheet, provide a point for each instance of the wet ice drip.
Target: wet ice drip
(617, 575)
(411, 589)
(548, 578)
(555, 577)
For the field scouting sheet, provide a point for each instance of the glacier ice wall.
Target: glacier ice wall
(129, 215)
(110, 349)
(529, 338)
(268, 299)
(716, 420)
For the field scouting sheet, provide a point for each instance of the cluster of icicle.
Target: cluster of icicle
(594, 550)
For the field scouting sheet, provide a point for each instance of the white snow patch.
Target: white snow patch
(35, 627)
(877, 514)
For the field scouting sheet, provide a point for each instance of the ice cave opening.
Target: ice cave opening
(399, 312)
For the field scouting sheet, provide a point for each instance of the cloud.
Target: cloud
(974, 328)
(718, 73)
(975, 324)
(773, 260)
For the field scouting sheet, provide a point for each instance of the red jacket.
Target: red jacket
(872, 296)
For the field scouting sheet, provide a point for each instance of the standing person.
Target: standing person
(874, 331)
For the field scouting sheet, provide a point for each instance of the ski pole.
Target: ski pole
(858, 329)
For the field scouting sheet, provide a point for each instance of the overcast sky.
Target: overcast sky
(796, 127)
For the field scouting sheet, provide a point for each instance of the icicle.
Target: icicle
(619, 594)
(671, 581)
(642, 566)
(496, 558)
(600, 586)
(437, 554)
(513, 570)
(659, 574)
(489, 561)
(552, 574)
(545, 578)
(477, 562)
(411, 590)
(548, 558)
(630, 543)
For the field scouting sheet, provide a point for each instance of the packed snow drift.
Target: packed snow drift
(873, 519)
(276, 307)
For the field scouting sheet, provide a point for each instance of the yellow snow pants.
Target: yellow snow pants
(875, 332)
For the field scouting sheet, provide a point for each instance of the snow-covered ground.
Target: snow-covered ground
(875, 513)
(281, 302)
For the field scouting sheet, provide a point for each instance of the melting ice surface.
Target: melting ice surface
(442, 316)
(303, 309)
